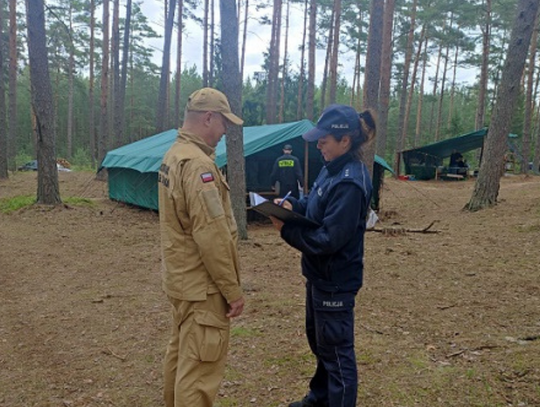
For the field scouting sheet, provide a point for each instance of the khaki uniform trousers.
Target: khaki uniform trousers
(194, 363)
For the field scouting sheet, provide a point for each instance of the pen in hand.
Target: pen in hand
(284, 198)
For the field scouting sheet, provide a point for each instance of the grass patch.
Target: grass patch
(8, 205)
(226, 402)
(366, 358)
(529, 228)
(241, 332)
(75, 201)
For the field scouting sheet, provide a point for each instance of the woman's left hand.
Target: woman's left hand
(278, 224)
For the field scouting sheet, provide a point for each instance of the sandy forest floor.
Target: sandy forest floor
(446, 319)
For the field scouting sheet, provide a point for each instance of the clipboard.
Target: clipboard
(269, 208)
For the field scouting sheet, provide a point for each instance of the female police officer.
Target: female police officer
(332, 254)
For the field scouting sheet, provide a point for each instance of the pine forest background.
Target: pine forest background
(108, 90)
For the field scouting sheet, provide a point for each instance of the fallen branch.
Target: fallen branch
(367, 328)
(394, 231)
(426, 229)
(472, 350)
(451, 355)
(530, 338)
(443, 307)
(108, 351)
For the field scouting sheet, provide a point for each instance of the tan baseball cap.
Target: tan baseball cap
(212, 100)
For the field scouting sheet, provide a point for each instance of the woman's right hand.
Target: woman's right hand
(286, 204)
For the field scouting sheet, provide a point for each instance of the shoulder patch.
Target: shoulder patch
(207, 177)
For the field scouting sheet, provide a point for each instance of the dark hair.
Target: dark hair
(364, 135)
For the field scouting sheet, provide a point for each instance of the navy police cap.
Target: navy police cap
(337, 120)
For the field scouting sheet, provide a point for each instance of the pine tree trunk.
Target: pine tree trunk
(487, 185)
(408, 106)
(244, 39)
(372, 78)
(355, 96)
(163, 98)
(232, 86)
(285, 64)
(527, 119)
(443, 83)
(273, 71)
(48, 192)
(205, 43)
(71, 74)
(327, 58)
(123, 74)
(335, 51)
(91, 111)
(104, 123)
(536, 160)
(536, 84)
(311, 59)
(498, 70)
(386, 76)
(3, 129)
(435, 85)
(373, 73)
(358, 91)
(402, 126)
(211, 80)
(482, 85)
(12, 108)
(300, 102)
(132, 137)
(115, 56)
(56, 98)
(352, 99)
(452, 89)
(417, 133)
(178, 84)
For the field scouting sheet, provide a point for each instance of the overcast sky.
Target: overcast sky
(258, 39)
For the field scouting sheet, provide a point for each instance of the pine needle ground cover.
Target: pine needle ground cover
(445, 319)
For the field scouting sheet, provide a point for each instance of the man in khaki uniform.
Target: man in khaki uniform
(199, 249)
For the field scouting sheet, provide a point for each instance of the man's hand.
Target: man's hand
(235, 308)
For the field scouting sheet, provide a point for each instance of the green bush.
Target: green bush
(82, 161)
(22, 158)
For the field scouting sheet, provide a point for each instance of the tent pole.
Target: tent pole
(306, 166)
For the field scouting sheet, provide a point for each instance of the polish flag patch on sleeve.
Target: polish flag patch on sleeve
(207, 177)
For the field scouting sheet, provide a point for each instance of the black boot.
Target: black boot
(306, 402)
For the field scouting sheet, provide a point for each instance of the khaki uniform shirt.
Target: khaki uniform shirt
(198, 229)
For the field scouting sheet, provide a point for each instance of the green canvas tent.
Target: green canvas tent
(133, 168)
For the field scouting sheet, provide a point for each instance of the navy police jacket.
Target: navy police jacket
(332, 254)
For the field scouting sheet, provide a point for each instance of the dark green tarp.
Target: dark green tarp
(132, 169)
(422, 162)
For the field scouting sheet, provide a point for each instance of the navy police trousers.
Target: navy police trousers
(330, 333)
